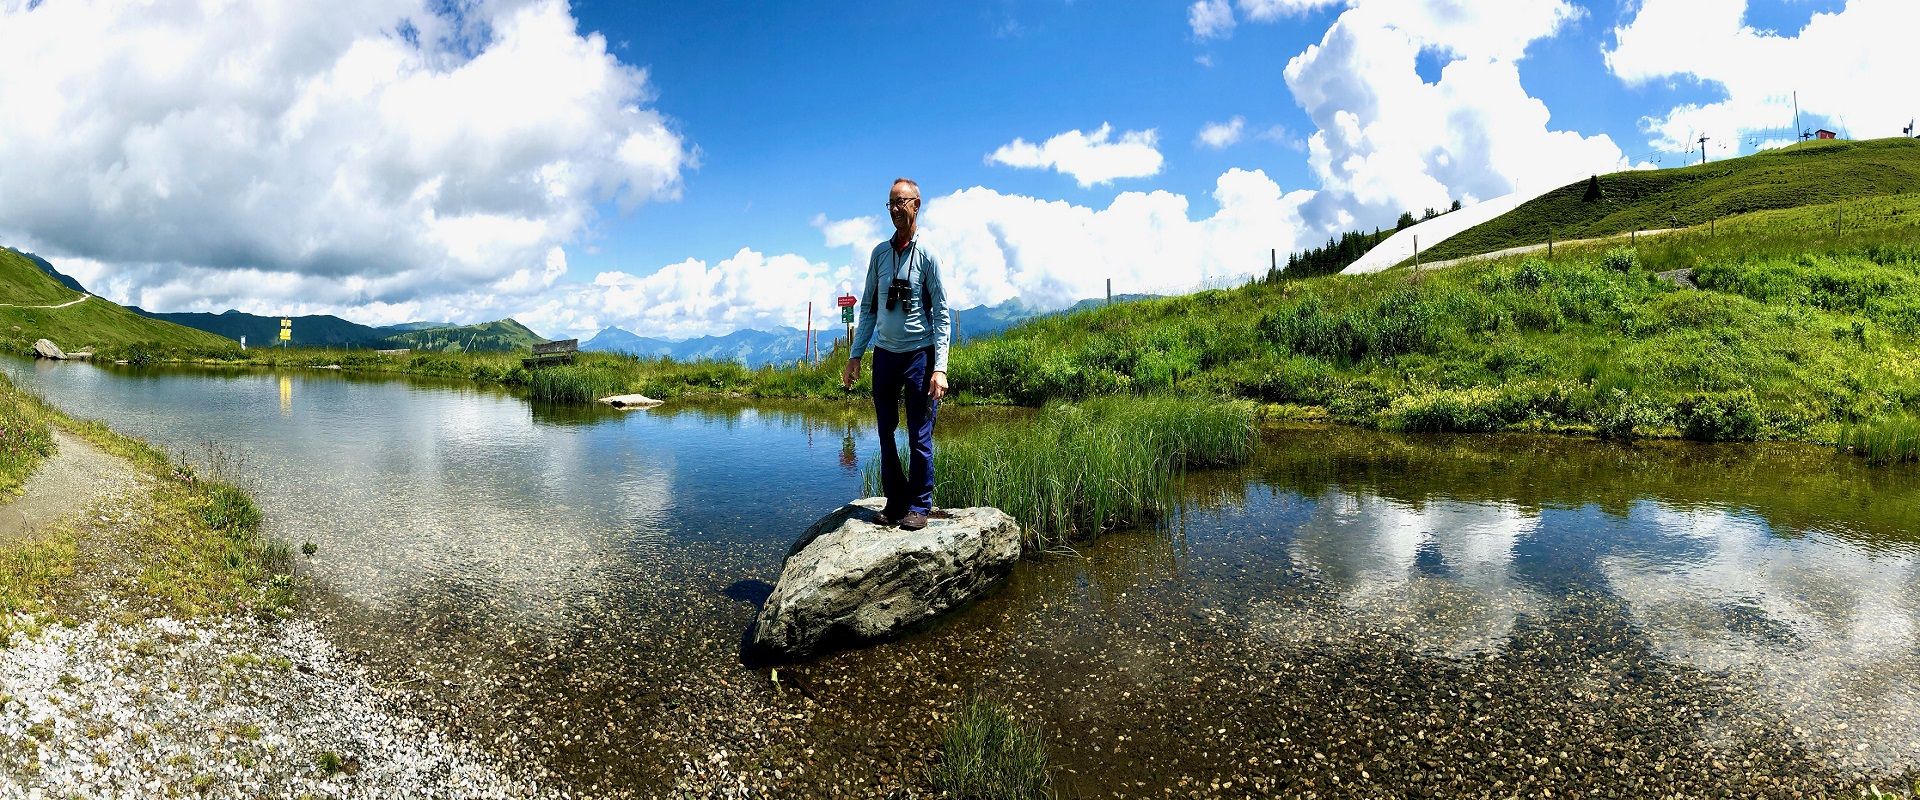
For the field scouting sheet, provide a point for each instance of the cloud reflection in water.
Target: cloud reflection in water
(1439, 575)
(1826, 632)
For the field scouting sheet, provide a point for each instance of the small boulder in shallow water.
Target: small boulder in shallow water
(850, 580)
(47, 349)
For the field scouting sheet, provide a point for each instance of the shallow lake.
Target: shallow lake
(1351, 613)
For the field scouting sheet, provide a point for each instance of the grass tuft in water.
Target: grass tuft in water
(1884, 441)
(989, 755)
(575, 384)
(1082, 468)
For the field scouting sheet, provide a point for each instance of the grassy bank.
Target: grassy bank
(592, 376)
(1792, 332)
(25, 438)
(189, 544)
(1078, 469)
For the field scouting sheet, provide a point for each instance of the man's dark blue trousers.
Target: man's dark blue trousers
(894, 375)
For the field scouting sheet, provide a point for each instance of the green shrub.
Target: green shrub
(1360, 400)
(1719, 417)
(1400, 323)
(1629, 417)
(1620, 259)
(1477, 409)
(1293, 379)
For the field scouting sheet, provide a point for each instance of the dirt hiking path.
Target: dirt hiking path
(69, 482)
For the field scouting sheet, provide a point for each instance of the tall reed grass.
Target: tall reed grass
(575, 383)
(1884, 441)
(1078, 469)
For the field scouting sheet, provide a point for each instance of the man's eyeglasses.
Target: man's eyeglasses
(901, 202)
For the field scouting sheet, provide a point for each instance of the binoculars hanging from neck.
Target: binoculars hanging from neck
(898, 292)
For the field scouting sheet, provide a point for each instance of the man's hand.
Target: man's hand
(937, 385)
(851, 373)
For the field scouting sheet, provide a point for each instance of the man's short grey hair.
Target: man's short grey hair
(907, 181)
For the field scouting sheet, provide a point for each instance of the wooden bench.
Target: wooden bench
(556, 352)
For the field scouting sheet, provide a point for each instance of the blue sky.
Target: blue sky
(801, 110)
(680, 169)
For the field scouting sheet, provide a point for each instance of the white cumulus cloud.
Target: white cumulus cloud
(1214, 19)
(1853, 68)
(749, 289)
(1389, 141)
(1089, 158)
(1221, 135)
(994, 247)
(856, 232)
(389, 155)
(1052, 253)
(1210, 19)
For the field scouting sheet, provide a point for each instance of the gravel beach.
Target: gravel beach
(218, 708)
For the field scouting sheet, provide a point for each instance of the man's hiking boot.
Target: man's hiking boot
(913, 521)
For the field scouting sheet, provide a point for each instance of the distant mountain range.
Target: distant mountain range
(313, 330)
(786, 345)
(326, 330)
(754, 348)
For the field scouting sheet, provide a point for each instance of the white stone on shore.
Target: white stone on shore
(630, 401)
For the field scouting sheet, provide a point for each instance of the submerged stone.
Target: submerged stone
(850, 580)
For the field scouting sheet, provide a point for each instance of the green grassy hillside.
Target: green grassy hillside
(91, 323)
(505, 334)
(23, 282)
(1793, 333)
(1805, 174)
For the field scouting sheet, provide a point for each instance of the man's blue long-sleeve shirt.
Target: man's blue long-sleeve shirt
(922, 321)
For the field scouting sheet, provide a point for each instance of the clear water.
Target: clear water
(1350, 610)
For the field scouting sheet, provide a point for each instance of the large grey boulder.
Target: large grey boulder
(47, 349)
(851, 581)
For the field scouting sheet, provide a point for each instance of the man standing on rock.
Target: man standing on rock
(904, 315)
